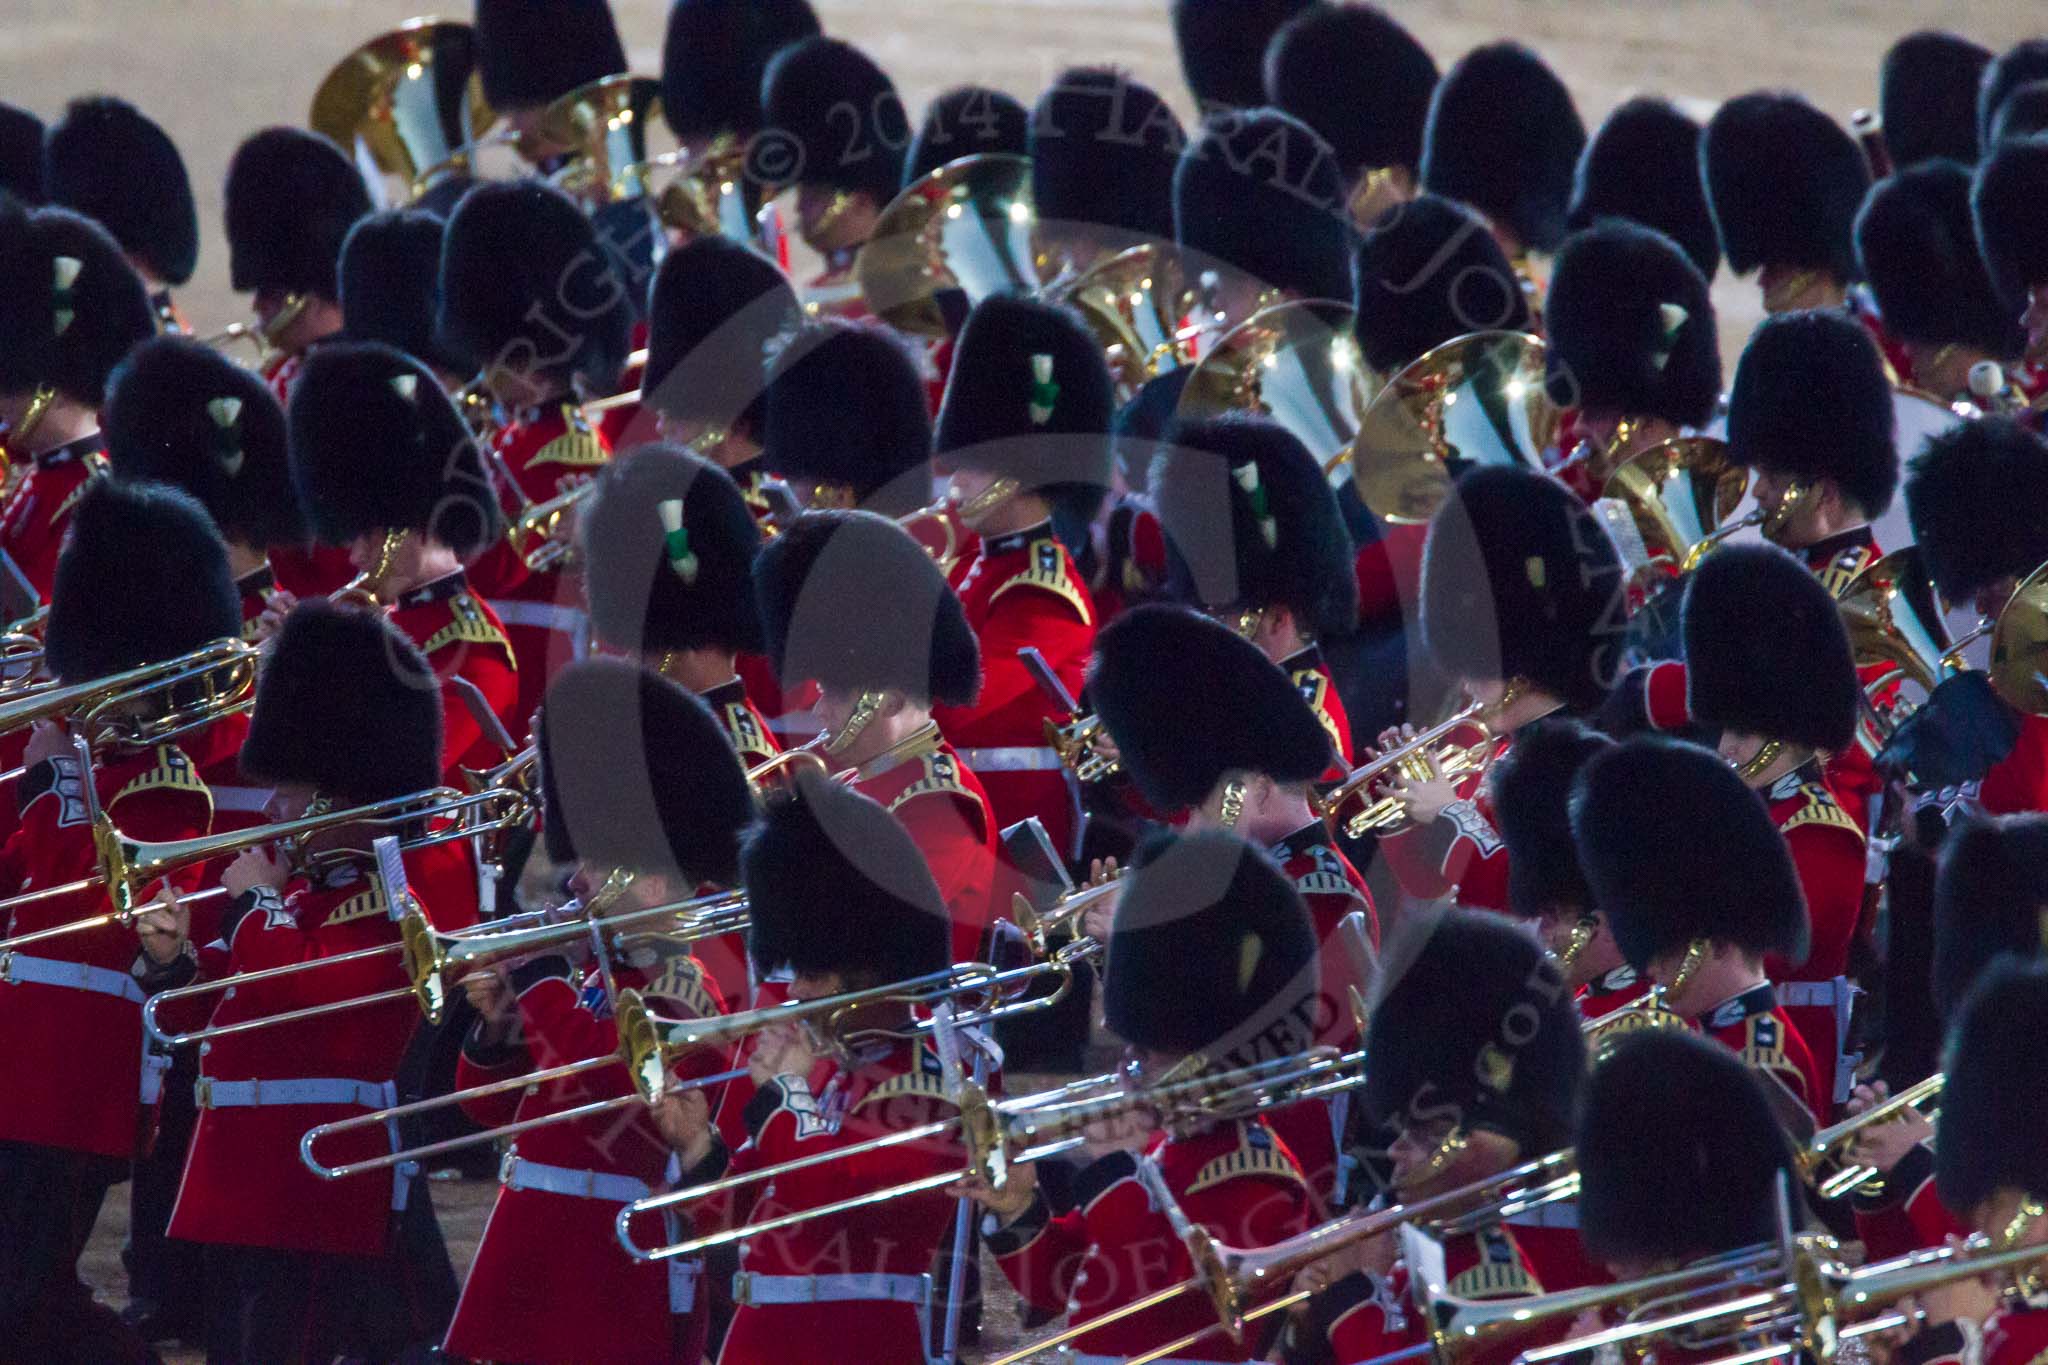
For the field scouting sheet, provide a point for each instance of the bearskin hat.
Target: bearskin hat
(532, 52)
(1261, 192)
(1985, 1140)
(1810, 399)
(180, 412)
(846, 405)
(104, 159)
(1103, 149)
(525, 283)
(1532, 786)
(21, 155)
(822, 586)
(70, 304)
(1030, 397)
(1927, 98)
(806, 84)
(2011, 232)
(1643, 165)
(1223, 44)
(1519, 580)
(1233, 710)
(1504, 136)
(1251, 522)
(1989, 897)
(1918, 250)
(376, 444)
(1974, 496)
(638, 774)
(117, 604)
(347, 705)
(820, 844)
(1677, 848)
(1766, 651)
(1784, 182)
(391, 285)
(713, 57)
(968, 120)
(1469, 285)
(2023, 114)
(2021, 64)
(716, 311)
(1631, 327)
(1359, 79)
(1211, 951)
(1666, 1116)
(291, 198)
(668, 555)
(1471, 1013)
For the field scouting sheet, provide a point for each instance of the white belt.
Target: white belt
(546, 615)
(248, 799)
(753, 1290)
(263, 1094)
(517, 1173)
(1564, 1214)
(16, 970)
(1037, 759)
(1088, 1358)
(1813, 994)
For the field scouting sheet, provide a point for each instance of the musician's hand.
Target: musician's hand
(781, 1050)
(47, 740)
(1424, 799)
(1883, 1145)
(683, 1118)
(164, 930)
(254, 867)
(277, 604)
(1009, 1202)
(1373, 1256)
(1975, 1297)
(1096, 919)
(1864, 1097)
(1589, 1321)
(490, 995)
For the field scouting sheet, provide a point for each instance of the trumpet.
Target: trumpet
(260, 336)
(1066, 912)
(1820, 1158)
(219, 680)
(1351, 808)
(1077, 744)
(945, 550)
(535, 532)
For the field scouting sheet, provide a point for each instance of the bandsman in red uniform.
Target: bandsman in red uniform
(1523, 602)
(109, 161)
(1696, 917)
(1978, 497)
(288, 1251)
(668, 555)
(391, 288)
(291, 197)
(71, 307)
(1532, 786)
(850, 602)
(384, 465)
(840, 135)
(637, 778)
(70, 1007)
(1024, 432)
(530, 296)
(1254, 539)
(1768, 669)
(1477, 1064)
(1667, 1118)
(1215, 734)
(859, 1280)
(1211, 964)
(2006, 184)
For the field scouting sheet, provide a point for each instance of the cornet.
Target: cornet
(1350, 807)
(536, 532)
(1821, 1157)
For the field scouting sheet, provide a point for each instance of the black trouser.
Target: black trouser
(164, 1272)
(49, 1200)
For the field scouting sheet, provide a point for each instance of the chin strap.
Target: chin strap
(865, 708)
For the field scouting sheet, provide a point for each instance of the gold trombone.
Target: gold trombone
(220, 677)
(1351, 808)
(1821, 1157)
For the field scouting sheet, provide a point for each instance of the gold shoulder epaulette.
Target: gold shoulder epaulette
(681, 979)
(1252, 1157)
(921, 1083)
(1315, 690)
(1048, 570)
(95, 469)
(1820, 808)
(468, 624)
(1499, 1274)
(745, 731)
(369, 903)
(173, 770)
(941, 774)
(578, 446)
(1844, 569)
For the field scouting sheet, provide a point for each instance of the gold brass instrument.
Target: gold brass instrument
(945, 514)
(1476, 399)
(605, 124)
(1681, 495)
(260, 338)
(21, 655)
(1135, 303)
(966, 226)
(1076, 743)
(1296, 363)
(1822, 1157)
(1065, 913)
(2019, 646)
(147, 705)
(1646, 1011)
(708, 196)
(538, 533)
(1352, 809)
(408, 104)
(803, 756)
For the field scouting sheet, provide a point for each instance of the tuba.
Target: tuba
(407, 104)
(963, 229)
(1680, 495)
(708, 197)
(1296, 363)
(605, 125)
(1134, 302)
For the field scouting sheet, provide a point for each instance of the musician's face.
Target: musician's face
(1738, 748)
(1990, 599)
(816, 985)
(1999, 1215)
(2035, 320)
(289, 801)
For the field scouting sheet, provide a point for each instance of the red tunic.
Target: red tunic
(1828, 852)
(280, 371)
(1757, 1029)
(38, 512)
(1610, 991)
(1237, 1180)
(507, 1312)
(1906, 1213)
(309, 572)
(2019, 781)
(1020, 590)
(71, 1047)
(2016, 1335)
(1461, 853)
(463, 638)
(923, 783)
(1363, 1316)
(1310, 675)
(244, 1182)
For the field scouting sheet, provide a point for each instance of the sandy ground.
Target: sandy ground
(213, 70)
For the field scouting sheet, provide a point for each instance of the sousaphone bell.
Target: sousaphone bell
(1133, 302)
(1294, 362)
(407, 105)
(605, 124)
(965, 228)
